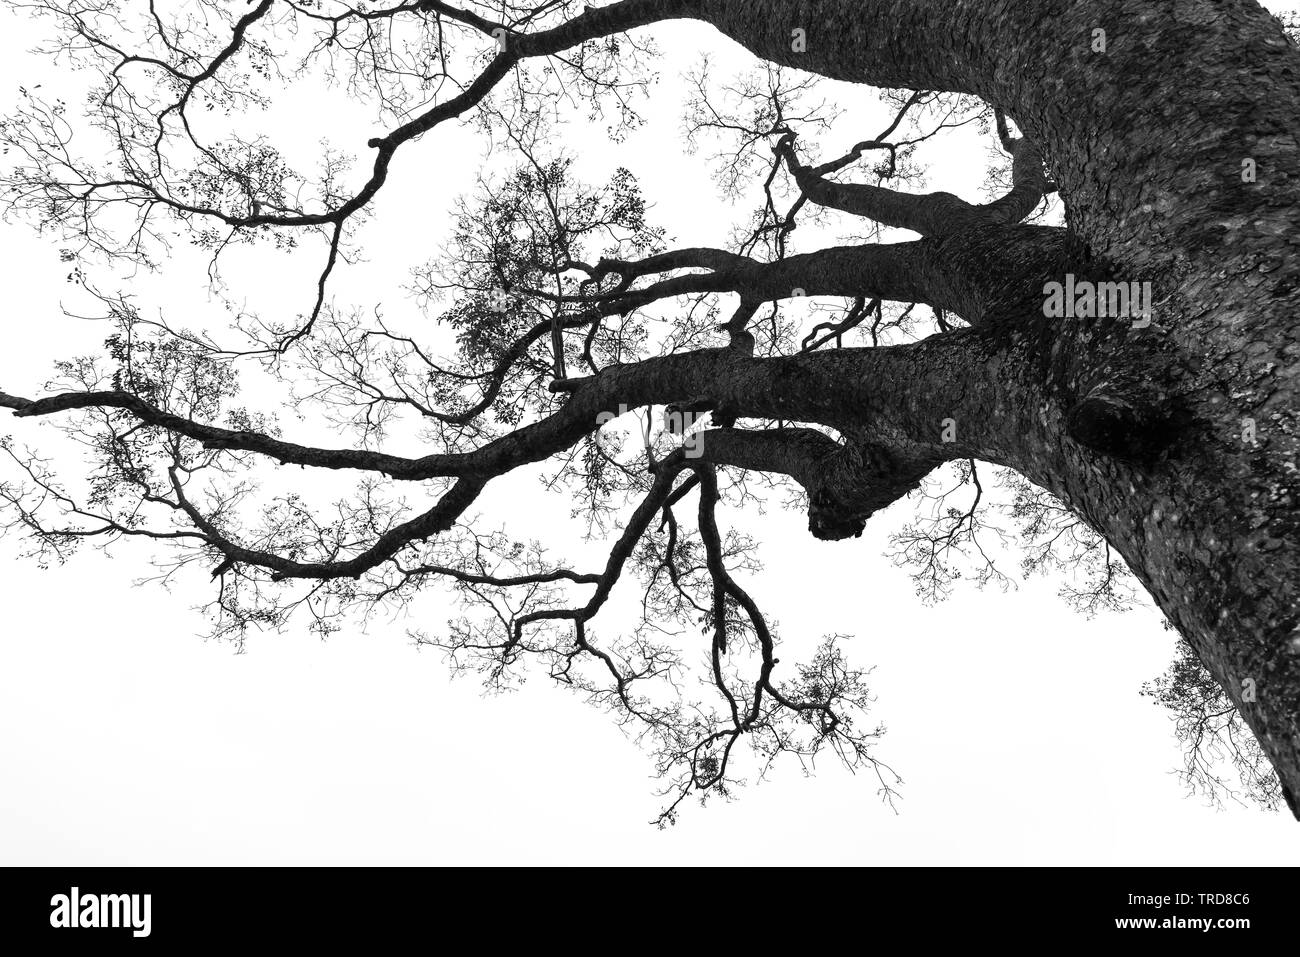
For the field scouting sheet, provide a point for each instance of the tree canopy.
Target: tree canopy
(562, 327)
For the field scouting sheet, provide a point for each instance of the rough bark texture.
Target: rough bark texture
(1147, 142)
(1146, 113)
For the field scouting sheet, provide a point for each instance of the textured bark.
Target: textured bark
(846, 484)
(1139, 430)
(1146, 142)
(930, 214)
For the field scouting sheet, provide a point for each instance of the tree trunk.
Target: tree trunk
(1172, 138)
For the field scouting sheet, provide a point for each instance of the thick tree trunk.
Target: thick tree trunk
(1170, 128)
(1153, 140)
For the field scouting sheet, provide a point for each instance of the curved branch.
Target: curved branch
(845, 483)
(842, 389)
(930, 214)
(437, 519)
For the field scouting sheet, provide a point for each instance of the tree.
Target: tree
(1133, 369)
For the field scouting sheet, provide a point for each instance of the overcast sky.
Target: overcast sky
(126, 738)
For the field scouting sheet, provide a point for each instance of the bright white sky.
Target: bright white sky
(124, 739)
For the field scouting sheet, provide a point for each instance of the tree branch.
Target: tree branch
(930, 214)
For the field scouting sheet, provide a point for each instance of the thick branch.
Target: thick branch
(846, 389)
(845, 483)
(930, 214)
